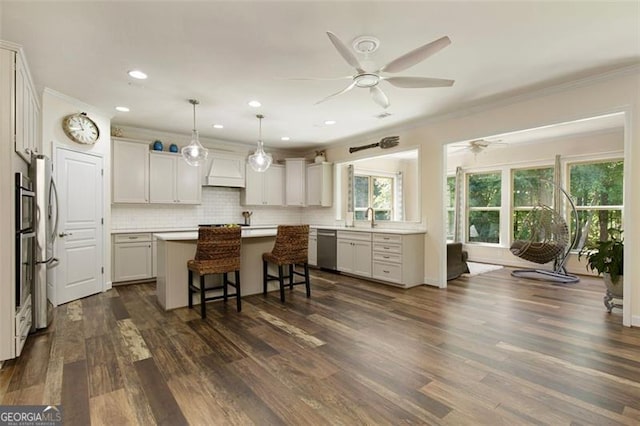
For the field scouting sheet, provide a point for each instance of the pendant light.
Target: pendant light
(194, 153)
(260, 160)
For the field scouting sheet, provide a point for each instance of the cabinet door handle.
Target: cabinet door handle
(385, 257)
(386, 272)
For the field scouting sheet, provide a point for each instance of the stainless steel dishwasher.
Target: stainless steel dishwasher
(327, 248)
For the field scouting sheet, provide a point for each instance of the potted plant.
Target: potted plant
(607, 258)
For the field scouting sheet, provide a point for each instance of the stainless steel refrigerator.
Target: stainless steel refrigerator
(46, 227)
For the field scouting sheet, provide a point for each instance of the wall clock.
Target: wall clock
(80, 128)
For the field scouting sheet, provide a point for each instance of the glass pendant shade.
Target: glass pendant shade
(194, 154)
(260, 160)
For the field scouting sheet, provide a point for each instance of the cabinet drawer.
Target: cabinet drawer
(354, 235)
(387, 238)
(387, 248)
(132, 238)
(387, 272)
(387, 257)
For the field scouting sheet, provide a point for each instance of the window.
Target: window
(529, 191)
(450, 202)
(597, 191)
(483, 206)
(376, 192)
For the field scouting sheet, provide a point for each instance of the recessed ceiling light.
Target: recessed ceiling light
(330, 122)
(255, 104)
(122, 109)
(137, 74)
(285, 138)
(218, 126)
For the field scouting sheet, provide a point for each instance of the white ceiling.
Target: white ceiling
(227, 53)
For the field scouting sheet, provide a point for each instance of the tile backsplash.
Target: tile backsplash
(219, 205)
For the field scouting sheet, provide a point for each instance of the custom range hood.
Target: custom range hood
(227, 169)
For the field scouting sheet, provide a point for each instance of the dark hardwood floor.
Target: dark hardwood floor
(488, 350)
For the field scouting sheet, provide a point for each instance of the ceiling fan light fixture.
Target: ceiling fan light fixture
(367, 80)
(260, 161)
(194, 153)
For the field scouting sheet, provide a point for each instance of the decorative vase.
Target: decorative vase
(616, 288)
(320, 159)
(157, 146)
(614, 291)
(173, 148)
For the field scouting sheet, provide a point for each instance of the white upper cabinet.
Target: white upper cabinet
(264, 188)
(295, 169)
(172, 180)
(130, 172)
(320, 184)
(226, 170)
(27, 112)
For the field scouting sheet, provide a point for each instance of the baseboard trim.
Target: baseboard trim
(431, 282)
(635, 321)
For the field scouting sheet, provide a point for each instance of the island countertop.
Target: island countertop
(193, 235)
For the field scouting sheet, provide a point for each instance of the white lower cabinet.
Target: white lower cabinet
(398, 259)
(354, 253)
(132, 257)
(313, 247)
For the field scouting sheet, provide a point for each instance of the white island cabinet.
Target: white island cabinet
(176, 248)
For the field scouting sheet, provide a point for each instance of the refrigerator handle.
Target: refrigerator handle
(54, 190)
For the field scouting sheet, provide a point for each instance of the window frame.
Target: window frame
(468, 209)
(512, 189)
(611, 158)
(371, 175)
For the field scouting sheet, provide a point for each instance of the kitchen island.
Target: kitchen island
(176, 248)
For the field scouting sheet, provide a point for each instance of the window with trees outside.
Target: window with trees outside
(529, 191)
(597, 189)
(450, 202)
(483, 207)
(376, 192)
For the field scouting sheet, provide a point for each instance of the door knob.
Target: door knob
(64, 234)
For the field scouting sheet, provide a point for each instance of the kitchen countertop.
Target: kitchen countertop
(185, 229)
(194, 230)
(376, 230)
(193, 235)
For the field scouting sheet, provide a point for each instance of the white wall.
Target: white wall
(608, 93)
(55, 106)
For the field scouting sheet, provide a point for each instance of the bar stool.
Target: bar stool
(217, 252)
(291, 248)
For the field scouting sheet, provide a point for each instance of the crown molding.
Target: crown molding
(85, 107)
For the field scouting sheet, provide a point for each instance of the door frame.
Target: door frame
(105, 246)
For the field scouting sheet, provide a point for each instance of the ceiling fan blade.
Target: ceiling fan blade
(417, 55)
(346, 77)
(379, 97)
(345, 90)
(345, 52)
(418, 82)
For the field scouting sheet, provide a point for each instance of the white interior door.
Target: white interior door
(79, 244)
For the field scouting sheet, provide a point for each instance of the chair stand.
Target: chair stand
(266, 277)
(545, 275)
(224, 287)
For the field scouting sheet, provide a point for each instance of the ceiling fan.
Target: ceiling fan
(479, 145)
(371, 79)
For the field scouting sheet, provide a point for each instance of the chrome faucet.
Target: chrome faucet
(373, 216)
